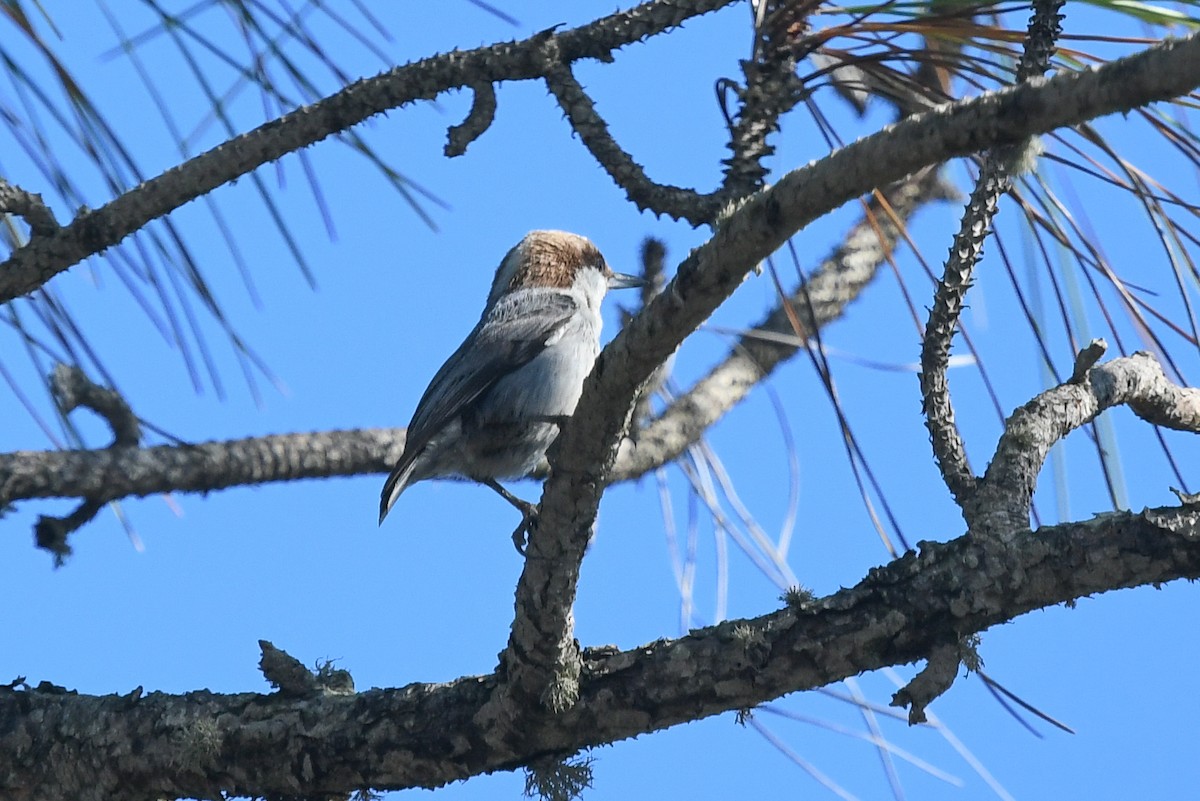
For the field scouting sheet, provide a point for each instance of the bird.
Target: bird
(497, 404)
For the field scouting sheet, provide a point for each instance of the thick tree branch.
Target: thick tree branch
(59, 745)
(91, 232)
(538, 653)
(822, 299)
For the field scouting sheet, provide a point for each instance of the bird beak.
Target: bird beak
(625, 281)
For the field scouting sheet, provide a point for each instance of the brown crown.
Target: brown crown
(552, 259)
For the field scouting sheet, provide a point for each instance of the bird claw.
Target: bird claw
(529, 519)
(529, 513)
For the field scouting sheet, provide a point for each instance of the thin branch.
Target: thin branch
(113, 473)
(771, 90)
(483, 111)
(72, 389)
(29, 206)
(685, 204)
(938, 675)
(92, 231)
(995, 179)
(948, 449)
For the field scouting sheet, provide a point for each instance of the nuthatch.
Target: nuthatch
(497, 403)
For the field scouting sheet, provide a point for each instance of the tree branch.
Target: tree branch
(1137, 381)
(28, 206)
(91, 232)
(538, 655)
(55, 744)
(483, 112)
(820, 300)
(71, 389)
(112, 473)
(771, 90)
(995, 179)
(677, 202)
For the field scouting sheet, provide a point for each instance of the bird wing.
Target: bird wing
(513, 332)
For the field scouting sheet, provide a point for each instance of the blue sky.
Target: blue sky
(428, 597)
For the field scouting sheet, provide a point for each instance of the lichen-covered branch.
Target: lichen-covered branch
(56, 745)
(1002, 502)
(539, 650)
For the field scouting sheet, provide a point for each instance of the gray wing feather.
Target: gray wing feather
(511, 334)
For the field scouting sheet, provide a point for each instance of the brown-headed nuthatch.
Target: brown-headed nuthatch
(497, 403)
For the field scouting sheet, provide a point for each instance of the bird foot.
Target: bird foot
(529, 514)
(529, 521)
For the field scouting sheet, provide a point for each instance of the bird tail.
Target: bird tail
(395, 484)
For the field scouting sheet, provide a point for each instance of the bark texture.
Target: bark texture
(56, 744)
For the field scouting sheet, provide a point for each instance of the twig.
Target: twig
(682, 204)
(771, 90)
(483, 112)
(71, 389)
(292, 679)
(934, 679)
(29, 206)
(1086, 359)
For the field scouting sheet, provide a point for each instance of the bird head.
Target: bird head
(557, 260)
